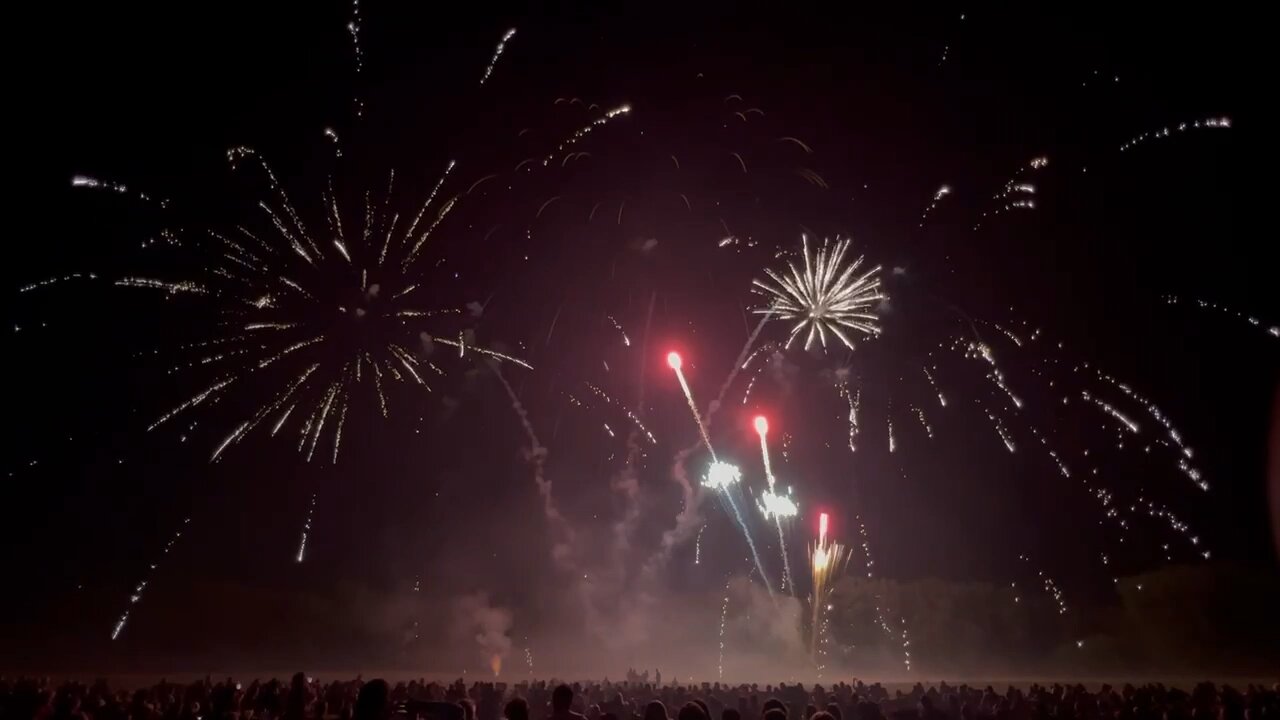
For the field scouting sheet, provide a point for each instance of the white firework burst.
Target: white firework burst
(827, 296)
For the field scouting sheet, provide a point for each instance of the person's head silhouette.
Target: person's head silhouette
(516, 709)
(374, 701)
(691, 711)
(561, 699)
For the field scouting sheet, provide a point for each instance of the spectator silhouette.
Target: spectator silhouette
(655, 710)
(691, 711)
(374, 701)
(516, 709)
(296, 705)
(562, 704)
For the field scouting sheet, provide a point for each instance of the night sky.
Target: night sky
(893, 104)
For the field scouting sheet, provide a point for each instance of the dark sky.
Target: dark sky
(152, 96)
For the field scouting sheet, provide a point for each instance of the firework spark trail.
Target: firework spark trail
(422, 239)
(675, 363)
(195, 400)
(1184, 450)
(755, 353)
(826, 562)
(1016, 187)
(1271, 330)
(54, 280)
(235, 154)
(942, 192)
(901, 638)
(1219, 122)
(974, 350)
(787, 583)
(867, 562)
(923, 422)
(635, 419)
(751, 384)
(337, 433)
(1109, 409)
(333, 137)
(1161, 512)
(183, 286)
(92, 183)
(584, 131)
(1051, 588)
(1012, 337)
(762, 429)
(1005, 437)
(288, 350)
(722, 477)
(888, 417)
(377, 384)
(284, 417)
(306, 528)
(818, 300)
(497, 53)
(463, 347)
(323, 416)
(854, 399)
(774, 505)
(625, 340)
(1104, 497)
(141, 587)
(233, 437)
(427, 203)
(724, 614)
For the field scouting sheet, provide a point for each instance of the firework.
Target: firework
(631, 415)
(778, 506)
(676, 363)
(826, 296)
(722, 477)
(306, 528)
(616, 326)
(1218, 122)
(854, 399)
(942, 192)
(724, 614)
(826, 561)
(928, 430)
(773, 505)
(1017, 193)
(762, 429)
(276, 314)
(942, 400)
(1271, 330)
(136, 596)
(497, 53)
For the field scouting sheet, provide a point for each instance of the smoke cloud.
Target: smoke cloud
(489, 626)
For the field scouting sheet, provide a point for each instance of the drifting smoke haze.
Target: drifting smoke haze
(487, 626)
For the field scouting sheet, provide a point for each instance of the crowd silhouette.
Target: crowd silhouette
(634, 699)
